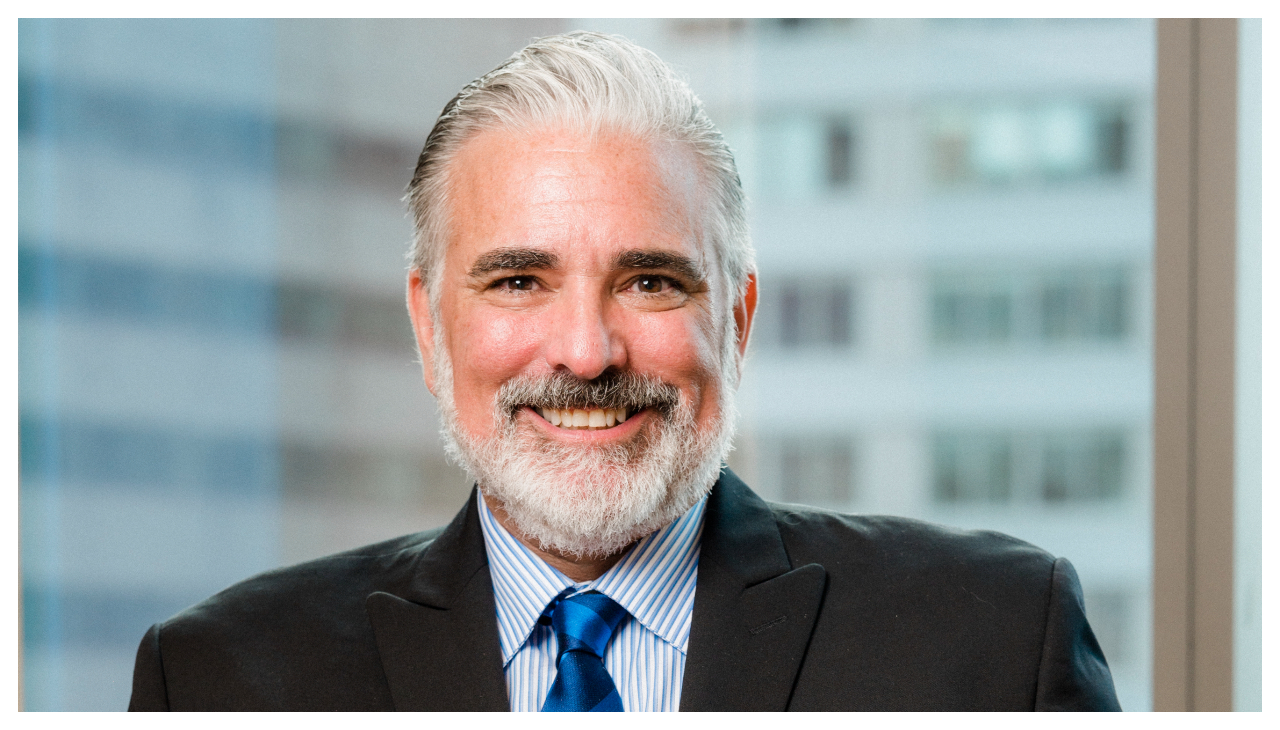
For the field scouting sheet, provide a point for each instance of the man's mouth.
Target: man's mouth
(584, 418)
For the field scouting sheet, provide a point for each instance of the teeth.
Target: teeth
(577, 418)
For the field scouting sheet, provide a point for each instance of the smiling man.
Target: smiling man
(582, 291)
(589, 344)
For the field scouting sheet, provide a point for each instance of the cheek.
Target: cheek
(681, 348)
(488, 351)
(495, 345)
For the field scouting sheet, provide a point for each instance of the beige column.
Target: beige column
(1194, 363)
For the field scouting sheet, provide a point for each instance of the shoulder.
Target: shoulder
(335, 580)
(903, 552)
(292, 638)
(921, 616)
(895, 538)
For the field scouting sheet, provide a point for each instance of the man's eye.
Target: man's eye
(516, 283)
(654, 284)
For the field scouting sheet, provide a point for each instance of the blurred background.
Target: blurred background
(217, 374)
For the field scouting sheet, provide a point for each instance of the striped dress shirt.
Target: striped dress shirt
(654, 582)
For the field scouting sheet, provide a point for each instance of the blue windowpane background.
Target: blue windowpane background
(150, 470)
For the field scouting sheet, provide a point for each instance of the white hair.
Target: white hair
(591, 83)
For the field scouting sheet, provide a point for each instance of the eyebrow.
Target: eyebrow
(651, 259)
(517, 259)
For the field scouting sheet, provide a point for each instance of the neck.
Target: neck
(578, 570)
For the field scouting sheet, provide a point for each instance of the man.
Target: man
(582, 291)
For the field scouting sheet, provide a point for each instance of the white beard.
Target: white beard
(583, 501)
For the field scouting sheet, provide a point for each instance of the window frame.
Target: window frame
(1195, 352)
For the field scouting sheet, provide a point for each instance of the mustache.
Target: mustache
(630, 390)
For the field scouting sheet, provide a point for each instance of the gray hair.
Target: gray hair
(588, 82)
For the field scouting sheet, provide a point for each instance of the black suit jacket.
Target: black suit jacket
(796, 609)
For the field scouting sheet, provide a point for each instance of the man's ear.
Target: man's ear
(423, 327)
(744, 312)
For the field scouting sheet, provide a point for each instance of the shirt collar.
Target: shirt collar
(654, 581)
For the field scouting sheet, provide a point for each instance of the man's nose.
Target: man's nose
(582, 339)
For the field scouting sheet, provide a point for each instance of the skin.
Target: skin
(568, 254)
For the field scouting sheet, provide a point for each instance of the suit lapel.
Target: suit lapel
(437, 632)
(752, 614)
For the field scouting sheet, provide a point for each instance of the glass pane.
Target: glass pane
(147, 261)
(217, 376)
(1247, 674)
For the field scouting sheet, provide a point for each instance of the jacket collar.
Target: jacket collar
(436, 631)
(753, 614)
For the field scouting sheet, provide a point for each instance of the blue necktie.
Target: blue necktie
(583, 625)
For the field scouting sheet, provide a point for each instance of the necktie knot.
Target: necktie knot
(583, 624)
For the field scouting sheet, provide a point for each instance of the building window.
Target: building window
(314, 152)
(1071, 306)
(1007, 143)
(972, 310)
(318, 314)
(972, 467)
(143, 126)
(800, 26)
(803, 314)
(53, 277)
(840, 162)
(1000, 467)
(707, 28)
(140, 456)
(795, 157)
(816, 470)
(1083, 305)
(1082, 466)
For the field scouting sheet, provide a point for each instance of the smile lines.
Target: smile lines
(579, 418)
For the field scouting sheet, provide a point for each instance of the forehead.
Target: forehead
(578, 195)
